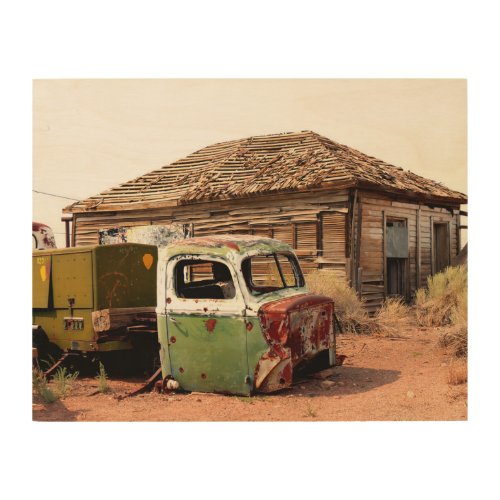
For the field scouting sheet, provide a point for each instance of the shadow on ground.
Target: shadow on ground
(344, 380)
(53, 412)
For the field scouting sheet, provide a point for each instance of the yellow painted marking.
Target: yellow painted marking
(147, 259)
(43, 273)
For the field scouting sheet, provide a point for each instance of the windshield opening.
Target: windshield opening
(271, 272)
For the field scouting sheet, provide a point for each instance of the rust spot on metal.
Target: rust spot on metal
(273, 372)
(287, 373)
(173, 339)
(38, 225)
(296, 302)
(232, 245)
(210, 325)
(303, 323)
(43, 235)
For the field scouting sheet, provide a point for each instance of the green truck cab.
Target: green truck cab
(87, 299)
(234, 315)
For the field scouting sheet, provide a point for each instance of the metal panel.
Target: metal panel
(72, 280)
(125, 275)
(397, 242)
(208, 353)
(55, 323)
(41, 281)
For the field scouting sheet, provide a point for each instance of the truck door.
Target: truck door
(206, 326)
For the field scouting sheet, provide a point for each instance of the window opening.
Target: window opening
(271, 272)
(203, 279)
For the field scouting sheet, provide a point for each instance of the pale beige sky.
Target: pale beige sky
(90, 135)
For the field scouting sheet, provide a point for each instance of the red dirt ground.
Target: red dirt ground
(381, 379)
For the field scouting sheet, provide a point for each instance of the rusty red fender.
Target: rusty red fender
(296, 328)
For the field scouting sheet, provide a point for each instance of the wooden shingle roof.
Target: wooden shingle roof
(288, 162)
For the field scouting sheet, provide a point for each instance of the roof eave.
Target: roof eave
(459, 199)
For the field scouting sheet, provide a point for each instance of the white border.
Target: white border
(53, 39)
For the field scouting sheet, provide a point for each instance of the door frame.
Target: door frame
(389, 217)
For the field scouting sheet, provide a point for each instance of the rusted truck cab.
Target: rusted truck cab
(234, 315)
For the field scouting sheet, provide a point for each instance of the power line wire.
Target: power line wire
(55, 195)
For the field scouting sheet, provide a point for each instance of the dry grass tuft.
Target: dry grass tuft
(348, 307)
(444, 301)
(392, 319)
(457, 373)
(458, 393)
(455, 337)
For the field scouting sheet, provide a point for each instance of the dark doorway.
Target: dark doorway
(396, 277)
(396, 248)
(441, 251)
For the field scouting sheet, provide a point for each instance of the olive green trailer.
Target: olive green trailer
(95, 298)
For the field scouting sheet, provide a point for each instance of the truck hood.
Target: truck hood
(302, 323)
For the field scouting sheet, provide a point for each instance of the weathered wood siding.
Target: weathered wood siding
(340, 231)
(375, 211)
(313, 224)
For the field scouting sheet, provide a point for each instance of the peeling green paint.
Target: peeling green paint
(219, 246)
(208, 357)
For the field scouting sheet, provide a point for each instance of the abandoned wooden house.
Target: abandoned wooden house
(383, 228)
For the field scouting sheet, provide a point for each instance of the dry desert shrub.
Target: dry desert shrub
(348, 306)
(457, 374)
(455, 336)
(444, 300)
(392, 319)
(444, 303)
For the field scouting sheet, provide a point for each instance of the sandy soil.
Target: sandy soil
(381, 379)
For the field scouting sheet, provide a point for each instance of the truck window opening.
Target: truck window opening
(203, 279)
(271, 272)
